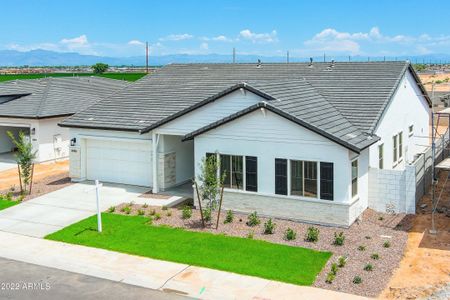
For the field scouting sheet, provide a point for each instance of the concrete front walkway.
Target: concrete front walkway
(56, 210)
(169, 277)
(7, 161)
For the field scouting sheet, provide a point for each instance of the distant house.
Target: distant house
(35, 107)
(296, 140)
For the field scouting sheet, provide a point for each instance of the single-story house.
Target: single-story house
(36, 106)
(296, 140)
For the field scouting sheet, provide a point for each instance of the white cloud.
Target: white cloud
(177, 37)
(204, 46)
(247, 34)
(136, 43)
(80, 41)
(372, 42)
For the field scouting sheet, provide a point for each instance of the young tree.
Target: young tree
(99, 68)
(210, 184)
(24, 157)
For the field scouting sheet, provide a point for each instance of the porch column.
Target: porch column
(155, 141)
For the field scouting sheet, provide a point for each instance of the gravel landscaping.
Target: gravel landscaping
(363, 240)
(42, 186)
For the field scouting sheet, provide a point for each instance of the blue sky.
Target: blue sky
(305, 28)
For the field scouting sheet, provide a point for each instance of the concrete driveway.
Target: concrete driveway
(51, 212)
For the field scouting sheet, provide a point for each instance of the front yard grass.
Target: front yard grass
(7, 203)
(133, 235)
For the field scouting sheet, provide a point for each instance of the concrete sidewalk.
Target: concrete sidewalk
(169, 277)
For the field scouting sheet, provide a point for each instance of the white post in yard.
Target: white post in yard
(99, 214)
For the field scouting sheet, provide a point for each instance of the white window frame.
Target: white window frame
(411, 130)
(357, 178)
(394, 150)
(381, 146)
(289, 178)
(400, 146)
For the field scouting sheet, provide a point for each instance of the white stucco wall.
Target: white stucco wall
(53, 140)
(408, 107)
(211, 112)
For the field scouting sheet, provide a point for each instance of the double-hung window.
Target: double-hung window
(233, 168)
(302, 178)
(411, 130)
(381, 156)
(394, 149)
(400, 145)
(354, 178)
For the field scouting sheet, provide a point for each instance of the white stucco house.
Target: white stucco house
(35, 107)
(297, 140)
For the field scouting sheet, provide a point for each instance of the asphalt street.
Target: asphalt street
(19, 280)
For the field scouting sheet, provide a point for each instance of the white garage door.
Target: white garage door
(119, 162)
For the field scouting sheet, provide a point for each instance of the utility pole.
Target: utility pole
(324, 58)
(234, 55)
(287, 56)
(349, 58)
(146, 57)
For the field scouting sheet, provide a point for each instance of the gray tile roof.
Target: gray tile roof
(49, 97)
(353, 93)
(299, 102)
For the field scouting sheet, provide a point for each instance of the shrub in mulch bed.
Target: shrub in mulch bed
(370, 283)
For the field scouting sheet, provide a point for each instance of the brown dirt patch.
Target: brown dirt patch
(10, 178)
(425, 266)
(150, 195)
(43, 186)
(367, 233)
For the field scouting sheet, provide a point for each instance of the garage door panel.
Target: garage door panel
(120, 162)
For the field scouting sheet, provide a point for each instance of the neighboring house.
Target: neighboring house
(35, 107)
(296, 140)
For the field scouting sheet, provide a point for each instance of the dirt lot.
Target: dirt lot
(427, 80)
(361, 241)
(425, 267)
(48, 177)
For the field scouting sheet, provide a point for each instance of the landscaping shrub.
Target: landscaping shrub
(140, 212)
(250, 234)
(253, 219)
(157, 216)
(20, 198)
(339, 238)
(112, 209)
(361, 248)
(229, 217)
(269, 227)
(9, 196)
(152, 212)
(207, 214)
(334, 268)
(375, 256)
(330, 277)
(126, 210)
(342, 261)
(368, 267)
(357, 280)
(145, 205)
(368, 237)
(290, 234)
(186, 213)
(169, 213)
(386, 244)
(164, 207)
(312, 234)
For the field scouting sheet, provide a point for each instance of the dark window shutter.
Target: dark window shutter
(280, 176)
(326, 181)
(251, 173)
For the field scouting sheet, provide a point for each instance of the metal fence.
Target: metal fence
(423, 164)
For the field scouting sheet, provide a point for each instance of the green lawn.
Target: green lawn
(132, 234)
(119, 76)
(7, 203)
